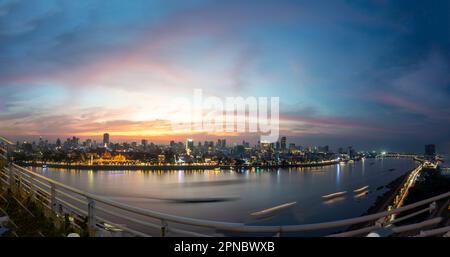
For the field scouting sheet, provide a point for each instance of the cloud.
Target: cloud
(367, 67)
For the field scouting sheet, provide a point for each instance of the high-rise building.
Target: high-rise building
(430, 150)
(292, 147)
(264, 145)
(106, 139)
(324, 149)
(219, 143)
(351, 152)
(283, 143)
(89, 143)
(189, 145)
(144, 142)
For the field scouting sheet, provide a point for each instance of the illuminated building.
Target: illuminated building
(189, 146)
(265, 145)
(106, 139)
(292, 147)
(161, 159)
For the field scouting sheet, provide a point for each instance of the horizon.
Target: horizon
(236, 140)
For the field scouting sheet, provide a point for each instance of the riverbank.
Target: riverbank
(383, 201)
(176, 167)
(431, 183)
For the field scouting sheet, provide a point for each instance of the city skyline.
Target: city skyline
(104, 140)
(374, 75)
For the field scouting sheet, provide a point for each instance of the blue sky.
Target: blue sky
(373, 74)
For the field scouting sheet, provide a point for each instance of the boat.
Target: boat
(359, 190)
(364, 193)
(271, 211)
(334, 195)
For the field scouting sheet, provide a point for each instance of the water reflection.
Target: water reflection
(233, 195)
(338, 175)
(363, 166)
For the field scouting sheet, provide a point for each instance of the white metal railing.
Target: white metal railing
(434, 232)
(64, 199)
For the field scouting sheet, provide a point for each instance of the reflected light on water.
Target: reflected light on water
(90, 179)
(363, 166)
(181, 176)
(256, 190)
(338, 175)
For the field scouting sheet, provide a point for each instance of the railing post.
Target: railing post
(91, 217)
(381, 222)
(11, 177)
(19, 185)
(163, 228)
(32, 187)
(53, 197)
(432, 207)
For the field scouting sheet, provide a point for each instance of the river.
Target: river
(233, 196)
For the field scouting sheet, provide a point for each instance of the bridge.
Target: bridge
(106, 217)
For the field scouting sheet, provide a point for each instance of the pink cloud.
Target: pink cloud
(336, 122)
(402, 102)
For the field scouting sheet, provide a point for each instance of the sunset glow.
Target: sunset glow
(337, 76)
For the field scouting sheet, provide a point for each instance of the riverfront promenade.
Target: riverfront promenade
(173, 167)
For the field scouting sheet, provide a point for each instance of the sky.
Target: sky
(371, 74)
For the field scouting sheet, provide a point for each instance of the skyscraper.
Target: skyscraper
(351, 152)
(224, 143)
(106, 139)
(221, 143)
(283, 144)
(430, 150)
(189, 146)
